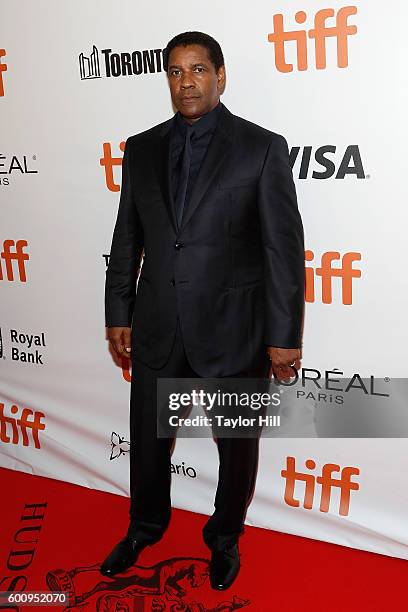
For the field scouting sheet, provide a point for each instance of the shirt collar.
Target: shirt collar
(207, 123)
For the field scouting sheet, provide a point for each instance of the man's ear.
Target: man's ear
(221, 76)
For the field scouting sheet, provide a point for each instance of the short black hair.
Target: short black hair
(195, 38)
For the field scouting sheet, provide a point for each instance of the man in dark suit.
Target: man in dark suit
(209, 197)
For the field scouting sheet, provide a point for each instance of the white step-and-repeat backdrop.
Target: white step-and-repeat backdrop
(76, 79)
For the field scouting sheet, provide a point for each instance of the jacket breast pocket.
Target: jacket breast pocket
(245, 285)
(245, 182)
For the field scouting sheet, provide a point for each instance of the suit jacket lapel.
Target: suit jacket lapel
(217, 152)
(162, 167)
(218, 149)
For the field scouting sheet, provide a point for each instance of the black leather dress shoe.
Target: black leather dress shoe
(224, 568)
(123, 556)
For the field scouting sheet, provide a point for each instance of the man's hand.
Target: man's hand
(120, 338)
(281, 359)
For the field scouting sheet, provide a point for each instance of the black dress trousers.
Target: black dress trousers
(150, 459)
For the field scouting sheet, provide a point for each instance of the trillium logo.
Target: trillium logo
(119, 446)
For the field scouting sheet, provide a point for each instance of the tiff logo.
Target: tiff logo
(327, 482)
(345, 271)
(8, 256)
(108, 162)
(341, 30)
(3, 68)
(89, 66)
(28, 420)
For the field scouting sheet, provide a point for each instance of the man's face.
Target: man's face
(195, 86)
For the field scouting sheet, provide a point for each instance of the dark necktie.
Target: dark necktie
(184, 174)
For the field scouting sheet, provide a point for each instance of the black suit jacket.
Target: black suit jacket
(233, 272)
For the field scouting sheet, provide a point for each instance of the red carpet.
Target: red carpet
(76, 527)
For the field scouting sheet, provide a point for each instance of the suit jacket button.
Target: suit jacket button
(178, 245)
